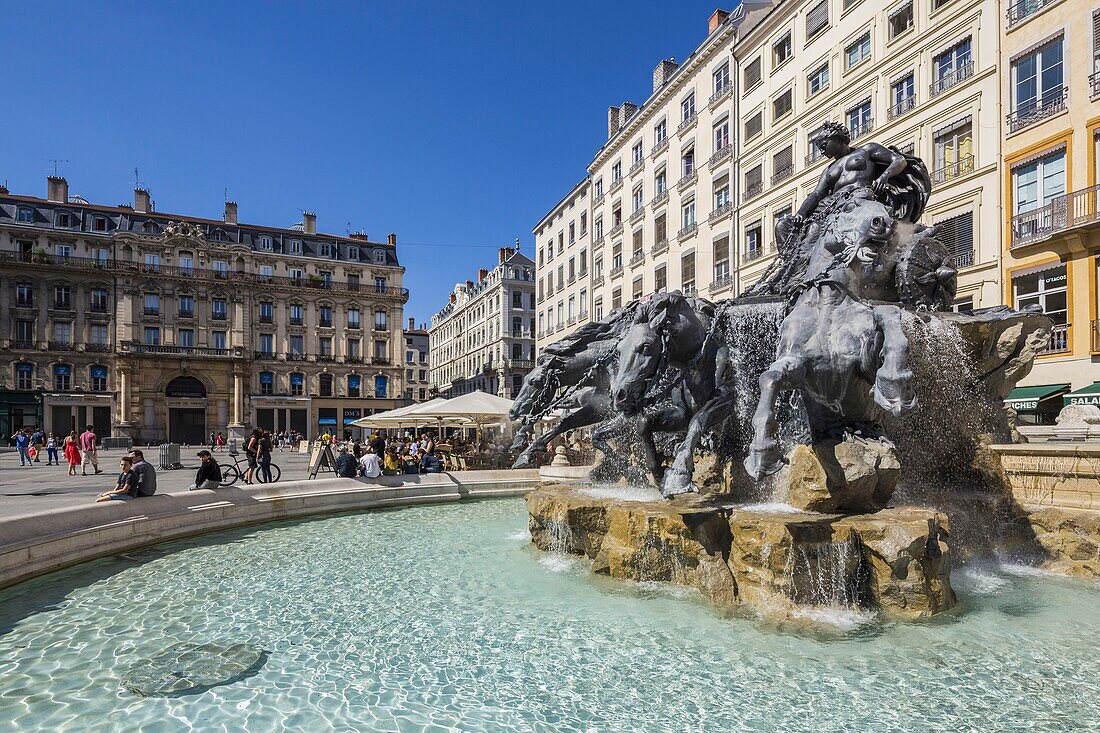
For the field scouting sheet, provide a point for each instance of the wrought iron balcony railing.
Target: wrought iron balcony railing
(1019, 11)
(946, 81)
(1069, 211)
(1036, 110)
(897, 109)
(960, 167)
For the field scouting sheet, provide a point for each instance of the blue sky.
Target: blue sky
(454, 124)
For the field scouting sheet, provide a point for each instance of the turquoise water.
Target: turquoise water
(443, 618)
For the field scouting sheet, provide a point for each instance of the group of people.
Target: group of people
(380, 456)
(136, 477)
(280, 440)
(79, 450)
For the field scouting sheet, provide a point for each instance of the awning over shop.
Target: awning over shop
(1027, 399)
(1089, 395)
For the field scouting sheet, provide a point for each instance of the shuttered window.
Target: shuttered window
(752, 73)
(782, 104)
(754, 178)
(957, 233)
(754, 125)
(817, 19)
(1096, 40)
(783, 161)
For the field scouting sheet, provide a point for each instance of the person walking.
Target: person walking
(23, 445)
(72, 452)
(263, 457)
(219, 442)
(213, 440)
(88, 451)
(38, 439)
(51, 450)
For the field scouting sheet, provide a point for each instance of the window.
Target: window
(636, 156)
(352, 350)
(24, 376)
(1037, 183)
(221, 269)
(599, 188)
(152, 263)
(97, 332)
(152, 336)
(218, 309)
(660, 229)
(721, 260)
(63, 251)
(324, 384)
(687, 272)
(817, 19)
(687, 214)
(353, 254)
(24, 295)
(783, 164)
(267, 343)
(688, 162)
(296, 311)
(324, 345)
(100, 255)
(295, 246)
(98, 378)
(297, 347)
(721, 192)
(859, 119)
(380, 321)
(660, 182)
(99, 300)
(267, 272)
(952, 66)
(64, 219)
(353, 318)
(63, 333)
(267, 383)
(901, 19)
(265, 243)
(781, 105)
(267, 312)
(99, 224)
(25, 215)
(954, 151)
(1037, 83)
(818, 79)
(379, 256)
(583, 265)
(1047, 289)
(324, 316)
(297, 383)
(324, 249)
(617, 171)
(219, 340)
(957, 234)
(187, 262)
(660, 132)
(781, 50)
(62, 377)
(902, 95)
(63, 297)
(637, 200)
(754, 180)
(355, 385)
(858, 51)
(721, 134)
(687, 107)
(721, 78)
(381, 386)
(617, 257)
(584, 223)
(754, 240)
(754, 125)
(753, 73)
(186, 337)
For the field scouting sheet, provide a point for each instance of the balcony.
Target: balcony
(186, 313)
(659, 147)
(380, 360)
(598, 242)
(219, 316)
(721, 212)
(959, 168)
(945, 82)
(660, 247)
(267, 355)
(163, 350)
(754, 254)
(752, 190)
(687, 124)
(1094, 85)
(522, 364)
(637, 166)
(687, 181)
(21, 345)
(899, 108)
(720, 155)
(814, 155)
(354, 326)
(659, 199)
(597, 281)
(637, 258)
(295, 321)
(598, 200)
(1072, 210)
(963, 259)
(616, 231)
(1020, 11)
(721, 283)
(1058, 343)
(353, 359)
(616, 271)
(690, 290)
(62, 305)
(637, 216)
(326, 358)
(295, 356)
(782, 174)
(20, 303)
(61, 346)
(723, 92)
(615, 186)
(687, 231)
(151, 311)
(97, 308)
(862, 129)
(324, 323)
(1037, 110)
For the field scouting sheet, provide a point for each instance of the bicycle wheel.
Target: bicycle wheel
(230, 474)
(258, 475)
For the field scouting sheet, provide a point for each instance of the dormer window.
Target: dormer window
(64, 219)
(295, 246)
(25, 215)
(324, 249)
(353, 254)
(219, 236)
(379, 257)
(265, 243)
(99, 224)
(150, 227)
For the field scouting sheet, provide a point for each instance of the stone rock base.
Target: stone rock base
(853, 475)
(896, 561)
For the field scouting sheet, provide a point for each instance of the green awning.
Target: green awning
(1089, 395)
(1027, 399)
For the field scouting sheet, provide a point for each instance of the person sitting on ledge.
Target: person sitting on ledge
(431, 464)
(370, 466)
(146, 476)
(345, 464)
(126, 486)
(209, 475)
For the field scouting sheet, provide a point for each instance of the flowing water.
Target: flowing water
(444, 619)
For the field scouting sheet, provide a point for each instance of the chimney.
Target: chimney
(716, 19)
(230, 215)
(309, 222)
(57, 189)
(482, 274)
(141, 201)
(469, 284)
(628, 110)
(392, 239)
(662, 73)
(412, 323)
(453, 297)
(3, 189)
(614, 121)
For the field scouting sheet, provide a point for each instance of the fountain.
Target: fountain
(778, 425)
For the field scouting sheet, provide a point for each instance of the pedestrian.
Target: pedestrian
(51, 450)
(219, 442)
(251, 451)
(145, 483)
(23, 445)
(209, 475)
(263, 457)
(72, 452)
(378, 444)
(125, 485)
(88, 451)
(37, 440)
(213, 440)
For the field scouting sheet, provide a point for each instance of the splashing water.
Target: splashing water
(830, 574)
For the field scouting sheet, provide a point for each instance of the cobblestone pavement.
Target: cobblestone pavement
(40, 487)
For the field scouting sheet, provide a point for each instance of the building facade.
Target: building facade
(484, 338)
(167, 327)
(418, 382)
(1050, 86)
(563, 286)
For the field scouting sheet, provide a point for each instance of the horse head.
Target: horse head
(866, 225)
(666, 330)
(533, 395)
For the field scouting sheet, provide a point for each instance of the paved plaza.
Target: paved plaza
(42, 487)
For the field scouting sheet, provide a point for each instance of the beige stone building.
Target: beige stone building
(484, 338)
(563, 286)
(166, 327)
(1050, 87)
(418, 380)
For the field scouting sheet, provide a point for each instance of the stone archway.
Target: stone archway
(185, 396)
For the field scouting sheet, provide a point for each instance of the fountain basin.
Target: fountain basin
(774, 561)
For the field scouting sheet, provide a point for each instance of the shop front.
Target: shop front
(277, 414)
(68, 411)
(19, 410)
(336, 415)
(1037, 405)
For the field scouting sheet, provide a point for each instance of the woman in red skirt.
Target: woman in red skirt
(72, 452)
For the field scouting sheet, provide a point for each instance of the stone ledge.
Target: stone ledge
(33, 544)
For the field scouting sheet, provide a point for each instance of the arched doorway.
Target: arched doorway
(186, 398)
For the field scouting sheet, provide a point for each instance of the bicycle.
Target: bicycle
(232, 474)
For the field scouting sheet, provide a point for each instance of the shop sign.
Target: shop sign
(1085, 399)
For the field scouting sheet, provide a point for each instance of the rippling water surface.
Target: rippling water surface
(442, 618)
